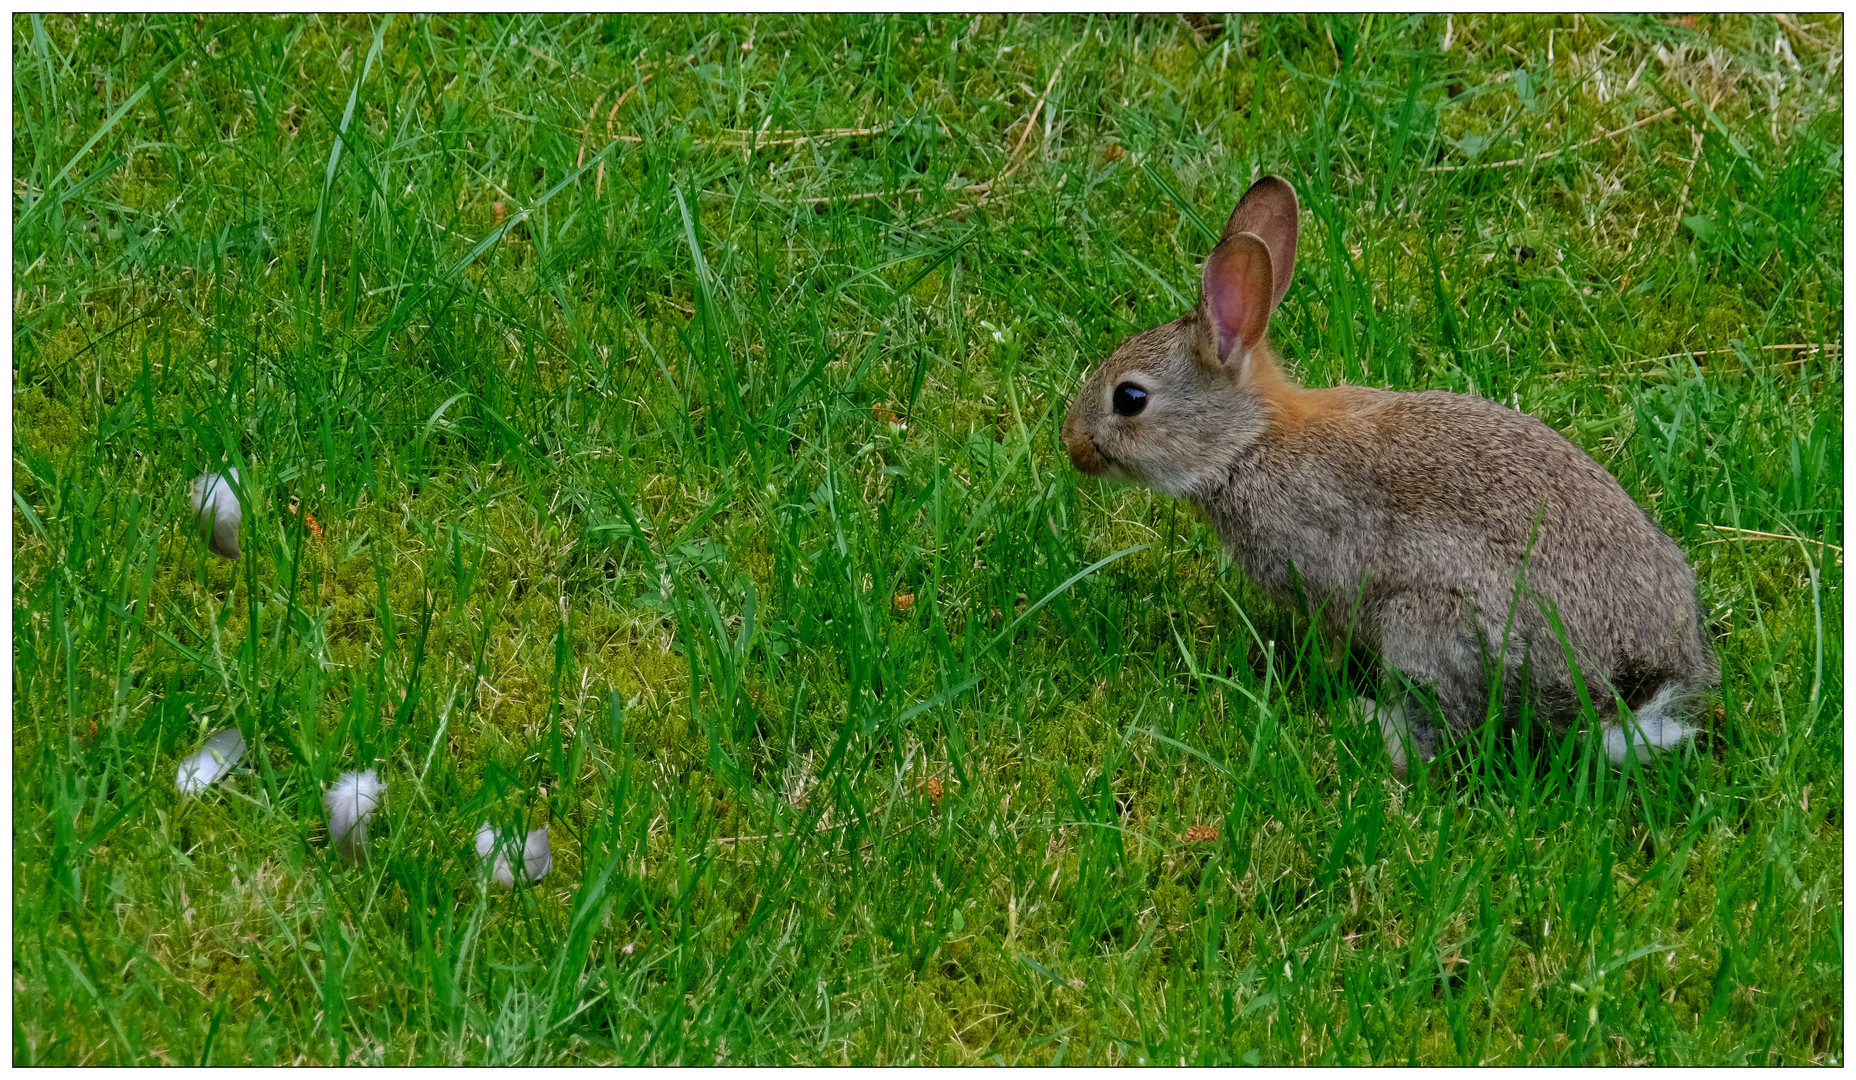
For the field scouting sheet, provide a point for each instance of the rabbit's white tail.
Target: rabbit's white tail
(1655, 728)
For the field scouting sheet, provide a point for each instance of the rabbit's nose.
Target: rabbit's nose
(1083, 452)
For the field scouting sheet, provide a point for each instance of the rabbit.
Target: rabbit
(1441, 530)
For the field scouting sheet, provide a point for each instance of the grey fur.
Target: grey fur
(1407, 519)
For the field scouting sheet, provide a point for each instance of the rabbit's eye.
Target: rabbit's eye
(1129, 399)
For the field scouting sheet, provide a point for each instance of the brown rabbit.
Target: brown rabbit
(1443, 531)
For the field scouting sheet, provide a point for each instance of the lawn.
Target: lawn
(649, 431)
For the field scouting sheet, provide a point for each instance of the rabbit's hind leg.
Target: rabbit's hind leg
(1395, 727)
(1403, 736)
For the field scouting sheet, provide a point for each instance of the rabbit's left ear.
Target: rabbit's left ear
(1238, 287)
(1269, 210)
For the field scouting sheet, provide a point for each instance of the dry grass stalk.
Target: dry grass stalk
(1634, 125)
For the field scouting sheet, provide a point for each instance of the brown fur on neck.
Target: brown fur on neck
(1305, 417)
(1291, 405)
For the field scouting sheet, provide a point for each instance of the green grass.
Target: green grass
(868, 741)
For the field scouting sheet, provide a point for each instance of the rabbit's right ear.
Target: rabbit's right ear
(1269, 210)
(1238, 291)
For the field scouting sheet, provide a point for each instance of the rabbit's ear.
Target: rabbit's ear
(1237, 293)
(1269, 210)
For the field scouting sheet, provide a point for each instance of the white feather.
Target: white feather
(216, 511)
(537, 857)
(350, 801)
(211, 762)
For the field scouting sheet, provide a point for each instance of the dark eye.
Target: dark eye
(1129, 399)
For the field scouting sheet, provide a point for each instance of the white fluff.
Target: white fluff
(537, 859)
(1655, 729)
(215, 509)
(211, 762)
(350, 801)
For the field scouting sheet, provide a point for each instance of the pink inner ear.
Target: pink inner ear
(1268, 209)
(1237, 292)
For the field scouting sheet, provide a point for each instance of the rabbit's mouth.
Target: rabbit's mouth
(1086, 455)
